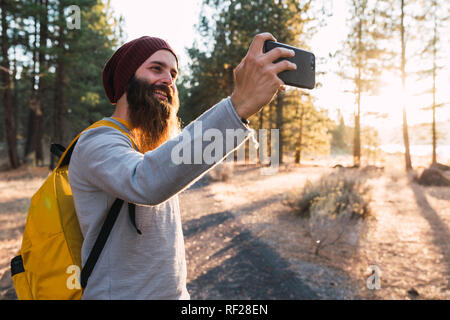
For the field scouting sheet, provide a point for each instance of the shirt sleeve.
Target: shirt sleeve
(105, 159)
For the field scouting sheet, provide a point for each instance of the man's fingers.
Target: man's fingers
(277, 53)
(258, 43)
(283, 66)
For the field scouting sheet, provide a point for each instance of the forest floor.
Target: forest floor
(243, 241)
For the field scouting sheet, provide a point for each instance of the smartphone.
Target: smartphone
(305, 74)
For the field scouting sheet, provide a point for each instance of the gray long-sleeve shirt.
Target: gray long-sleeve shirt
(104, 166)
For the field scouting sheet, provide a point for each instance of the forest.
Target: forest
(51, 83)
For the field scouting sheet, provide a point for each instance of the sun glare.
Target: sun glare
(391, 98)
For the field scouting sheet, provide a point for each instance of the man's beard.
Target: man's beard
(153, 121)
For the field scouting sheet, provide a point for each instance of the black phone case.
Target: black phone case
(305, 74)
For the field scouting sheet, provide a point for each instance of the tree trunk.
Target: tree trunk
(261, 118)
(31, 136)
(59, 108)
(14, 98)
(433, 129)
(43, 34)
(279, 124)
(260, 126)
(357, 132)
(59, 105)
(408, 165)
(9, 107)
(298, 152)
(357, 137)
(272, 125)
(30, 144)
(35, 125)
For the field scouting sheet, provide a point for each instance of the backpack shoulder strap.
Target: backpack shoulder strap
(65, 158)
(100, 242)
(113, 124)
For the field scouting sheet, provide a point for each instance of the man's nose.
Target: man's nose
(169, 82)
(167, 79)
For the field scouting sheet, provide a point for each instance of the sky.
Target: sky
(171, 20)
(175, 20)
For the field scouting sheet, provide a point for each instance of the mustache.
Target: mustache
(164, 89)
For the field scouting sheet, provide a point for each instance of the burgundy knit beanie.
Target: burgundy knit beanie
(122, 65)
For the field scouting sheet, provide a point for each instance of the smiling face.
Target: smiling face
(161, 71)
(153, 101)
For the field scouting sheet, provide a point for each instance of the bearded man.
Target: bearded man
(144, 257)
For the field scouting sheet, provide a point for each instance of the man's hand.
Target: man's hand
(256, 80)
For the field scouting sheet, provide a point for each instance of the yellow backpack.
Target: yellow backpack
(48, 265)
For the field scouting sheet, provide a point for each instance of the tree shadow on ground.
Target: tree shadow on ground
(254, 271)
(20, 204)
(250, 269)
(205, 223)
(439, 228)
(209, 221)
(441, 193)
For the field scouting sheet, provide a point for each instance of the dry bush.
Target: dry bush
(335, 207)
(221, 172)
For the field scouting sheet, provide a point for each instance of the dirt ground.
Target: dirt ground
(243, 241)
(407, 237)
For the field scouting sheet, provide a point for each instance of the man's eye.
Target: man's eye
(156, 68)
